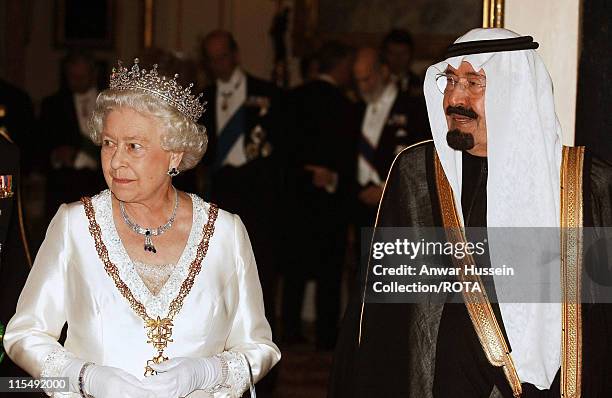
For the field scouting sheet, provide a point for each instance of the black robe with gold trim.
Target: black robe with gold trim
(389, 350)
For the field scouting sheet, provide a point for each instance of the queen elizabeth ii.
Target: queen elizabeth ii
(159, 288)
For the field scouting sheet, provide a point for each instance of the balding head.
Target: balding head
(220, 53)
(370, 73)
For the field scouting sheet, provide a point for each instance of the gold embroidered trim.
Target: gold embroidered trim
(477, 303)
(571, 269)
(159, 332)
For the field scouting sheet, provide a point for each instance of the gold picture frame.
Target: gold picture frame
(85, 24)
(493, 14)
(432, 26)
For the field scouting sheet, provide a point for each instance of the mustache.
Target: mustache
(459, 140)
(462, 111)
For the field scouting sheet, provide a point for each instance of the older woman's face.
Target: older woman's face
(134, 164)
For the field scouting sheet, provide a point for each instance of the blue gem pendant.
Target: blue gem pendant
(148, 243)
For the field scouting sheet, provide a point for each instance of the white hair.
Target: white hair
(180, 133)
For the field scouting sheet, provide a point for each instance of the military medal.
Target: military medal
(227, 95)
(6, 186)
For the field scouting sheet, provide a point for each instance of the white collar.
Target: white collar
(327, 78)
(92, 92)
(156, 305)
(387, 96)
(234, 81)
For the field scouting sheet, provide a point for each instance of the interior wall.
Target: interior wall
(555, 25)
(180, 24)
(42, 58)
(251, 23)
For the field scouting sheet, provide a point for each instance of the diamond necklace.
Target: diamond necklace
(149, 232)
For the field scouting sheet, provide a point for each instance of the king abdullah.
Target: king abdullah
(505, 167)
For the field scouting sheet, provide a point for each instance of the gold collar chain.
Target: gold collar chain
(159, 330)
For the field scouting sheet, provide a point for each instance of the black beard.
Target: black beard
(459, 140)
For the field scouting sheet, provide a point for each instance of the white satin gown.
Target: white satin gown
(223, 313)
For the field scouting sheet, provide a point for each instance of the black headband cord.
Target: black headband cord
(489, 46)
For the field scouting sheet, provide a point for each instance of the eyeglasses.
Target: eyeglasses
(474, 85)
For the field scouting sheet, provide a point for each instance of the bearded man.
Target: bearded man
(391, 120)
(496, 160)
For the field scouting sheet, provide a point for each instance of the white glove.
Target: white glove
(105, 382)
(179, 377)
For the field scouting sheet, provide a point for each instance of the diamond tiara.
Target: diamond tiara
(168, 90)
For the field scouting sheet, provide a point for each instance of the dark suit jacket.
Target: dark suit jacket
(406, 124)
(263, 170)
(58, 126)
(255, 190)
(323, 126)
(58, 122)
(263, 108)
(413, 86)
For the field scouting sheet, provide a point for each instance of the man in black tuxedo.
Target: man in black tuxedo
(245, 152)
(15, 258)
(72, 157)
(391, 120)
(323, 139)
(398, 52)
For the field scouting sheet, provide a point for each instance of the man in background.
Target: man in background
(323, 125)
(398, 52)
(245, 158)
(391, 120)
(245, 151)
(72, 158)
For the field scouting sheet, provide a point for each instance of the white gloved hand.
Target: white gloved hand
(105, 381)
(179, 377)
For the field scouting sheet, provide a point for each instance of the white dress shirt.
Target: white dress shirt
(233, 93)
(374, 121)
(84, 104)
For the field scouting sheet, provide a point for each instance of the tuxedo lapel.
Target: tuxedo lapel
(211, 109)
(70, 110)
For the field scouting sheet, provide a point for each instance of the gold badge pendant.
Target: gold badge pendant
(159, 335)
